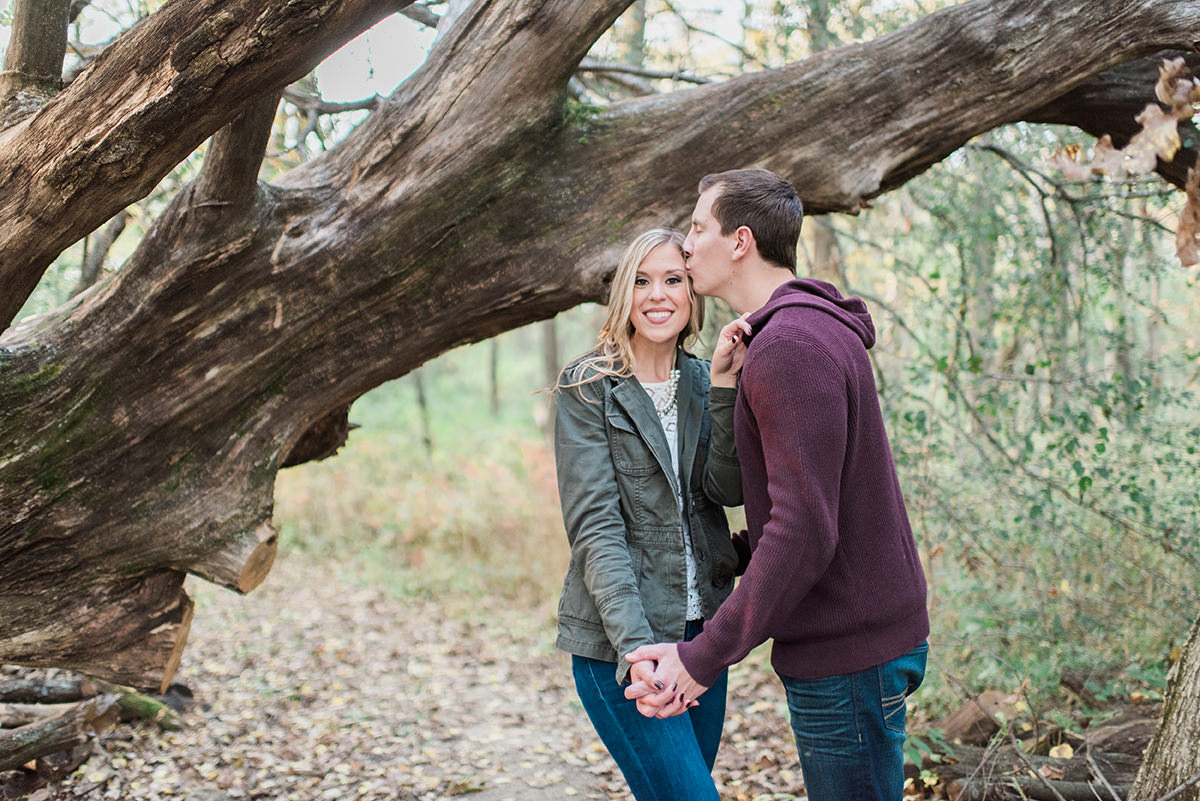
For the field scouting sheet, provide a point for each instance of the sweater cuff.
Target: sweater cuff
(698, 658)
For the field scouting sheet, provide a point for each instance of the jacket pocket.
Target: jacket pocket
(630, 453)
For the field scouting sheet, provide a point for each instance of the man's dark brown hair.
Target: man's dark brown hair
(764, 203)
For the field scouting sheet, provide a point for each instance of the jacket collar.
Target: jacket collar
(628, 392)
(691, 406)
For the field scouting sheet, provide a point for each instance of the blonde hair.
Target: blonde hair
(613, 353)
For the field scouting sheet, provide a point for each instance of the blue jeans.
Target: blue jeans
(662, 760)
(850, 729)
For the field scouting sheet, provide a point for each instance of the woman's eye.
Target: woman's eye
(674, 279)
(640, 282)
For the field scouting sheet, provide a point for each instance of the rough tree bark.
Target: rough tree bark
(1173, 758)
(73, 726)
(145, 420)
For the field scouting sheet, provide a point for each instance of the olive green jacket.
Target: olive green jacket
(627, 582)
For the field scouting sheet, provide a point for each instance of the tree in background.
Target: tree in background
(145, 419)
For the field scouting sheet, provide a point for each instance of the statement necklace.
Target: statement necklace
(664, 403)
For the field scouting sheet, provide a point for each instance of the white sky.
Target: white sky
(376, 62)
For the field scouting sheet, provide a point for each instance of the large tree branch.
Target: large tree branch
(851, 123)
(147, 102)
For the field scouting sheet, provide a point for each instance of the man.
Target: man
(834, 576)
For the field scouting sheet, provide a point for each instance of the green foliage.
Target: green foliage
(1039, 378)
(929, 745)
(576, 112)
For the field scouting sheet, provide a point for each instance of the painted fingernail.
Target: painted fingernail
(658, 685)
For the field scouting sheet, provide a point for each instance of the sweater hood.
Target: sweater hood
(822, 296)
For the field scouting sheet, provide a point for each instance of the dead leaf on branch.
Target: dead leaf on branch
(1066, 160)
(1159, 138)
(1179, 90)
(1107, 158)
(1187, 236)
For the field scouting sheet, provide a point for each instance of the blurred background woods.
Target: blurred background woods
(1037, 361)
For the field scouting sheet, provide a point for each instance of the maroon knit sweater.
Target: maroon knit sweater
(834, 577)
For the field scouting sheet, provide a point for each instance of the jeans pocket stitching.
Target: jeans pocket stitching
(894, 709)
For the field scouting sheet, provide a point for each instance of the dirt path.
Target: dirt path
(315, 687)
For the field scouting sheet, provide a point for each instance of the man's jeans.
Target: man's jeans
(662, 760)
(850, 729)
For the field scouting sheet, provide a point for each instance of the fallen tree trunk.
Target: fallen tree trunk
(138, 706)
(33, 690)
(13, 716)
(29, 700)
(1104, 762)
(1016, 788)
(1001, 774)
(62, 732)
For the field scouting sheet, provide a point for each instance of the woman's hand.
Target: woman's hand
(643, 672)
(730, 352)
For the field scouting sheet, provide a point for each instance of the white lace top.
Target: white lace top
(663, 393)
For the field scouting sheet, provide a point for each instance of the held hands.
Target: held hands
(729, 353)
(668, 690)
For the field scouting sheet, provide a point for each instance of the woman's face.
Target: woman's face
(661, 308)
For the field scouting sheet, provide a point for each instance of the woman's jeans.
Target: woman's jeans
(662, 759)
(850, 729)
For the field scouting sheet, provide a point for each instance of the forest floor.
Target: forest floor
(319, 686)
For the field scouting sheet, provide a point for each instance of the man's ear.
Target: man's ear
(743, 243)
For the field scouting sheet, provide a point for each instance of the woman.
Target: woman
(642, 474)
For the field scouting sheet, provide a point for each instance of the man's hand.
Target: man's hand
(729, 353)
(670, 690)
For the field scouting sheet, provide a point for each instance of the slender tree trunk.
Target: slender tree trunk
(826, 263)
(494, 376)
(423, 412)
(34, 58)
(1153, 320)
(1172, 762)
(632, 41)
(551, 363)
(98, 248)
